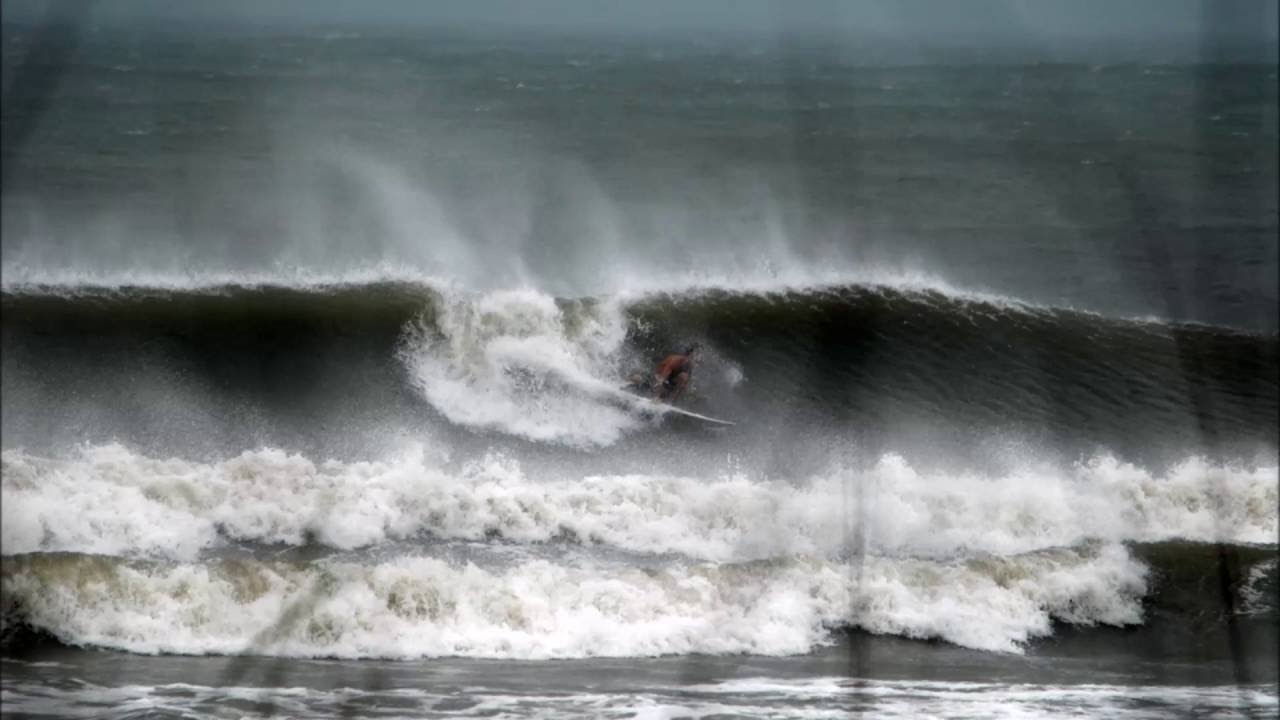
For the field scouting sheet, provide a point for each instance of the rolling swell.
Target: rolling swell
(458, 549)
(222, 313)
(869, 354)
(879, 360)
(204, 370)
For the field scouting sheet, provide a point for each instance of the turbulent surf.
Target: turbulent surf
(313, 347)
(910, 497)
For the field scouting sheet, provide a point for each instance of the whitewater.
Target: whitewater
(427, 551)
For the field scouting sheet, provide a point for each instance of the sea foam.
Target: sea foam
(108, 499)
(411, 607)
(519, 362)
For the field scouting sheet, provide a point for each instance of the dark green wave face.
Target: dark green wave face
(871, 365)
(860, 356)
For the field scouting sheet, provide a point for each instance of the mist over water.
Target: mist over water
(479, 163)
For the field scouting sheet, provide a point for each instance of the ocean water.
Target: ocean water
(312, 348)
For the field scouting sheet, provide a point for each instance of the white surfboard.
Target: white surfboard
(690, 413)
(662, 408)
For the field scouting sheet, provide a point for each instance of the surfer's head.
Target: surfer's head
(693, 348)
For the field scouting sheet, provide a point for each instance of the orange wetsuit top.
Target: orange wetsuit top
(672, 366)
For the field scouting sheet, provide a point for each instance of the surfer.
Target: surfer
(672, 374)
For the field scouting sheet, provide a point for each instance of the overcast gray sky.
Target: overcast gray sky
(961, 22)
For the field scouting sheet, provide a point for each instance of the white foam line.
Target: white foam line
(18, 280)
(880, 698)
(80, 284)
(109, 499)
(412, 607)
(73, 283)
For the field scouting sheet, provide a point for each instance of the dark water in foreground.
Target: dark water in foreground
(1111, 673)
(1189, 658)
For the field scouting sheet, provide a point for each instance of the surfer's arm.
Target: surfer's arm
(681, 381)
